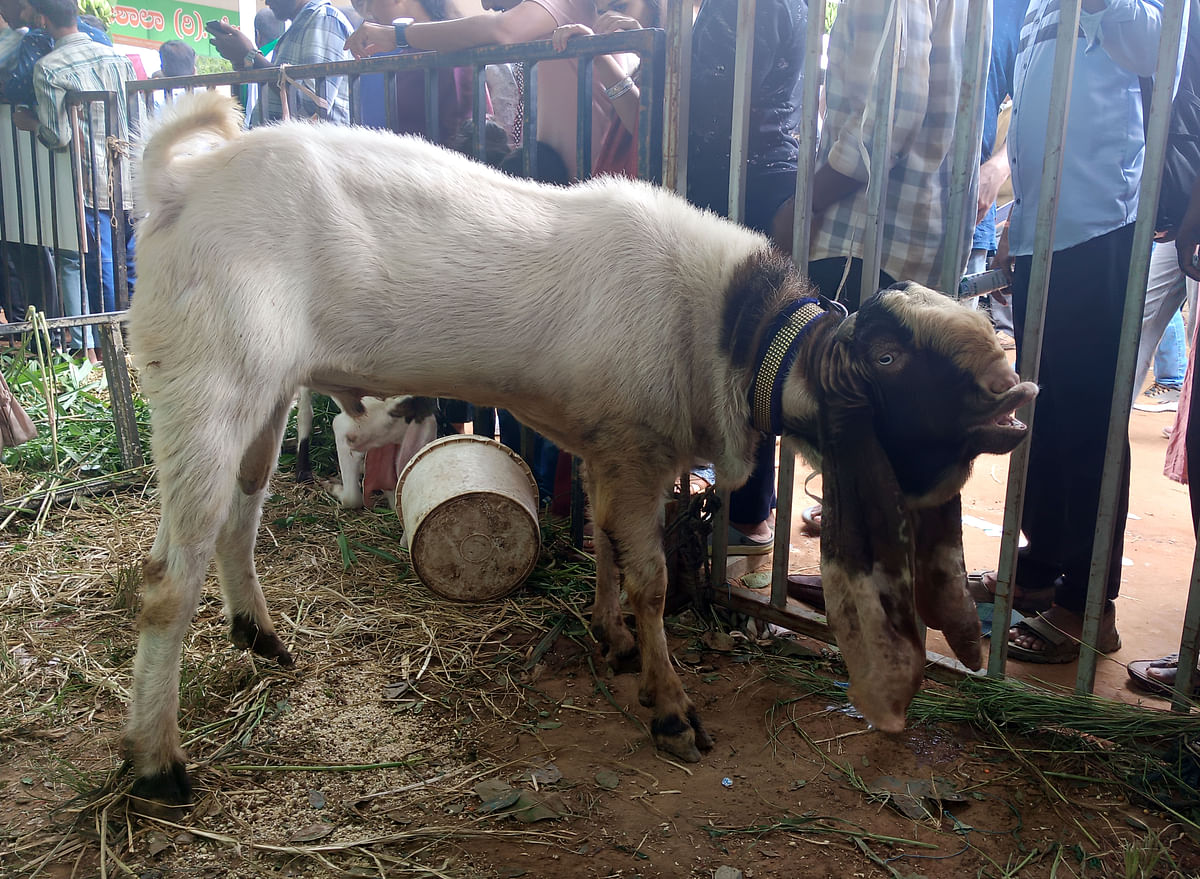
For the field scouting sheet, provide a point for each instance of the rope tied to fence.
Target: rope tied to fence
(115, 146)
(285, 81)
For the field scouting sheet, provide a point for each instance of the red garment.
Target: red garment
(618, 152)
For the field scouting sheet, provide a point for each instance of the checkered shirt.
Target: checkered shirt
(77, 63)
(931, 42)
(317, 35)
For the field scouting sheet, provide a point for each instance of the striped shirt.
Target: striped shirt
(317, 35)
(930, 78)
(77, 63)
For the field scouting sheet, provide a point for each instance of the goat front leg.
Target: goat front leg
(940, 580)
(608, 623)
(629, 515)
(245, 606)
(350, 466)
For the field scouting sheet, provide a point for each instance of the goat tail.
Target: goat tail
(194, 124)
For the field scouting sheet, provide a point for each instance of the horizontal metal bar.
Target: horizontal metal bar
(54, 323)
(640, 42)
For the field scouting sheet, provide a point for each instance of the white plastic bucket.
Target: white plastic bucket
(470, 511)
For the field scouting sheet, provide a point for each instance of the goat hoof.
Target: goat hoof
(304, 477)
(684, 738)
(628, 661)
(246, 634)
(163, 793)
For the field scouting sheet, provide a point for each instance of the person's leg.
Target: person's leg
(70, 286)
(1165, 293)
(98, 266)
(1170, 358)
(750, 506)
(1068, 445)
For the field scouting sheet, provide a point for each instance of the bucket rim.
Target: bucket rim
(461, 438)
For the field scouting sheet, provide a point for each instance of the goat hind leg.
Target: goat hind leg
(196, 478)
(245, 606)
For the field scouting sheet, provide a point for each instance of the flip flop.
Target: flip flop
(807, 588)
(981, 586)
(740, 544)
(1060, 647)
(1139, 674)
(811, 517)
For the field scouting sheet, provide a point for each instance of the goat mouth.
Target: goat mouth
(1008, 422)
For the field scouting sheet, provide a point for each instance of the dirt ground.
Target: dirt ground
(415, 738)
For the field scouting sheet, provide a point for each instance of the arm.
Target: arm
(855, 48)
(1128, 30)
(608, 71)
(992, 175)
(234, 46)
(525, 21)
(54, 128)
(1187, 240)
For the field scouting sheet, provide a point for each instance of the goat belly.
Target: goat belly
(875, 624)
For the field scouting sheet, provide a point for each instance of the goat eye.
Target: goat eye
(886, 360)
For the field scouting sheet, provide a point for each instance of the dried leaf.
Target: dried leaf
(541, 775)
(311, 833)
(531, 807)
(500, 803)
(606, 779)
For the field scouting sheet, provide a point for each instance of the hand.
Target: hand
(993, 174)
(371, 39)
(25, 119)
(563, 33)
(611, 22)
(230, 43)
(1002, 261)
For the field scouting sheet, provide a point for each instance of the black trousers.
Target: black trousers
(1084, 308)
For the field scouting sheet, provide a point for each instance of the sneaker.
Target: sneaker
(1158, 398)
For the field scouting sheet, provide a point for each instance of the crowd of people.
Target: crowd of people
(46, 50)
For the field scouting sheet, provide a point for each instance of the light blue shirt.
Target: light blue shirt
(1105, 142)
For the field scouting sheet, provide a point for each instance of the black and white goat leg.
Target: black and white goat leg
(608, 623)
(940, 580)
(624, 500)
(245, 606)
(304, 425)
(867, 568)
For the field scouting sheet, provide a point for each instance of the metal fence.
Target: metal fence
(43, 218)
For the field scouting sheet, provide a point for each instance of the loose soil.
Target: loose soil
(414, 735)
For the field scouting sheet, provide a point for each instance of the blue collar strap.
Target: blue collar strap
(776, 354)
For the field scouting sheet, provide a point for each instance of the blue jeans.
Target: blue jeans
(1170, 358)
(70, 289)
(98, 267)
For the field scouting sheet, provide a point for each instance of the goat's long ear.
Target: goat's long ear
(867, 566)
(940, 575)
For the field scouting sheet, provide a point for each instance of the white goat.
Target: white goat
(623, 324)
(372, 448)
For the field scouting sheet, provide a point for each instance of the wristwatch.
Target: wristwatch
(401, 25)
(248, 61)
